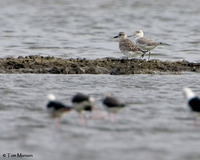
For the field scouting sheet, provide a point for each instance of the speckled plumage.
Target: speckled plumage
(127, 47)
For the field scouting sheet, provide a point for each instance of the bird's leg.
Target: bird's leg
(149, 55)
(144, 52)
(58, 123)
(100, 115)
(82, 119)
(112, 117)
(195, 121)
(142, 56)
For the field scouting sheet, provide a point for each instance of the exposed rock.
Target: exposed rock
(114, 66)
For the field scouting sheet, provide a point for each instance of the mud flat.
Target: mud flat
(52, 65)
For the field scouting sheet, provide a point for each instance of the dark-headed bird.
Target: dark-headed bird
(82, 103)
(113, 105)
(193, 100)
(56, 108)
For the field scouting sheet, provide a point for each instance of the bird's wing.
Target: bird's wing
(79, 97)
(112, 102)
(146, 41)
(57, 105)
(127, 44)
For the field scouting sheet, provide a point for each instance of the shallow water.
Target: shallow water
(86, 28)
(156, 124)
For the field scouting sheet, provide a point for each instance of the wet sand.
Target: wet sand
(53, 65)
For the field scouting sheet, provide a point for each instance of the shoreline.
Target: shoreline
(114, 66)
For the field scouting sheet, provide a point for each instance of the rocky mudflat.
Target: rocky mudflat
(53, 65)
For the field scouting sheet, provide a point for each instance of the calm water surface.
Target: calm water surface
(67, 28)
(157, 123)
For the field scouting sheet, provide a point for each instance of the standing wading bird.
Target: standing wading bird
(193, 100)
(127, 47)
(113, 105)
(145, 43)
(82, 103)
(57, 109)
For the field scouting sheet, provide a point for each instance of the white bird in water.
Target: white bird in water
(127, 47)
(145, 43)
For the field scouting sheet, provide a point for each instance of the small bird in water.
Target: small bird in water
(127, 47)
(113, 105)
(145, 43)
(193, 100)
(82, 103)
(56, 108)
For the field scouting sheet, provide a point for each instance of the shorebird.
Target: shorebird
(56, 108)
(193, 100)
(82, 103)
(127, 47)
(113, 105)
(145, 43)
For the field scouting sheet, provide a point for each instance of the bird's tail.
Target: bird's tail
(144, 51)
(164, 44)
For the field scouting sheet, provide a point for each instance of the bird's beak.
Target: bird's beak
(116, 37)
(132, 35)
